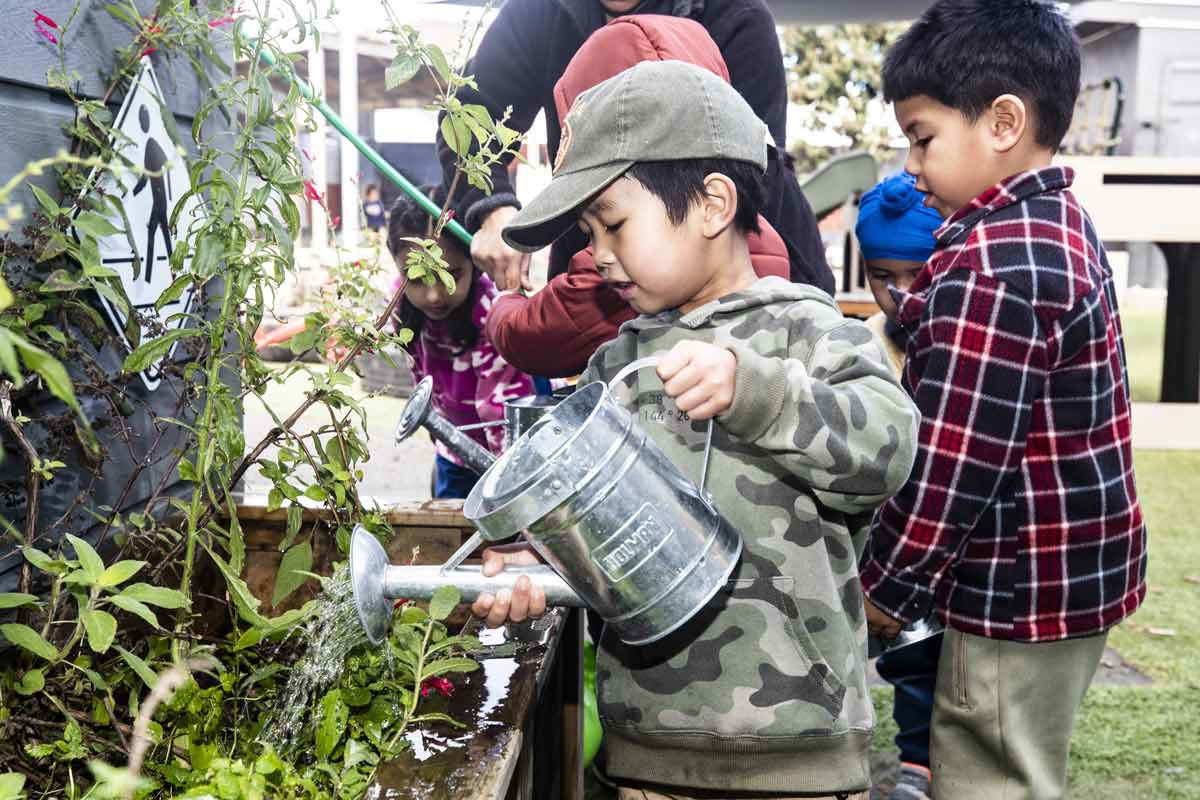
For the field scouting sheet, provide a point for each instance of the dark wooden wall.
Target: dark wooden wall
(31, 120)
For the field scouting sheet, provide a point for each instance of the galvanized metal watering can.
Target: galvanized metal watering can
(623, 531)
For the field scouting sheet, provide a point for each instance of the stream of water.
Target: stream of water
(330, 635)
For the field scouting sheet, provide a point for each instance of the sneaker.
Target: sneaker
(913, 783)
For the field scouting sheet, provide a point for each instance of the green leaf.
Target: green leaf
(50, 369)
(462, 642)
(237, 542)
(16, 599)
(444, 665)
(101, 627)
(243, 599)
(332, 724)
(32, 682)
(209, 252)
(8, 357)
(6, 295)
(173, 292)
(148, 676)
(119, 573)
(89, 559)
(155, 349)
(438, 58)
(249, 638)
(92, 224)
(26, 637)
(412, 615)
(294, 518)
(400, 71)
(288, 579)
(44, 562)
(135, 607)
(49, 207)
(11, 784)
(117, 781)
(315, 492)
(62, 280)
(443, 601)
(155, 595)
(457, 134)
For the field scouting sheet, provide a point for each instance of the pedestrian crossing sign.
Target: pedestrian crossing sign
(149, 196)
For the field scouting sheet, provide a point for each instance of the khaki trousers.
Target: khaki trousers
(644, 794)
(1003, 713)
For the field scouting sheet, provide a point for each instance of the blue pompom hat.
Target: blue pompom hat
(894, 222)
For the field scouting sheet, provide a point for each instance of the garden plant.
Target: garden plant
(111, 681)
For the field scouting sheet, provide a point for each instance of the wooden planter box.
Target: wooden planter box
(437, 527)
(527, 739)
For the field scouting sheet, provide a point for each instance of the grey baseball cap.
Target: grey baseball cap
(653, 111)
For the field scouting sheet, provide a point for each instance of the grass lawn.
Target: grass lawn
(1135, 743)
(1144, 330)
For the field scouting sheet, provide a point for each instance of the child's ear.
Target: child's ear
(719, 205)
(1008, 119)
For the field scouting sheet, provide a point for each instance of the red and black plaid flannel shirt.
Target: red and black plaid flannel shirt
(1020, 519)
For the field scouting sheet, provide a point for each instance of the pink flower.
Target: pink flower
(307, 154)
(310, 191)
(440, 685)
(44, 24)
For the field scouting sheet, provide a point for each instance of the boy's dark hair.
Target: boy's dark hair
(966, 53)
(410, 220)
(680, 185)
(370, 187)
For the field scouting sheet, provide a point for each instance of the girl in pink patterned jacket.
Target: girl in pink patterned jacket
(471, 381)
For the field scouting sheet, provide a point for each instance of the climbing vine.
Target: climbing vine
(113, 684)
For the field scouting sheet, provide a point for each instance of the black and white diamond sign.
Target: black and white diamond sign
(149, 196)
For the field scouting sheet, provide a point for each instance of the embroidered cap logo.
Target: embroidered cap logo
(564, 141)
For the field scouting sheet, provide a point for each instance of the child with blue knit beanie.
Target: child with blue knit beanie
(895, 234)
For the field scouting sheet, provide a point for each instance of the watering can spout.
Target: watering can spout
(378, 584)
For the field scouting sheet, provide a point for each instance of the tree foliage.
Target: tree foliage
(835, 75)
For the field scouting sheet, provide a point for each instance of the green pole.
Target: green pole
(384, 167)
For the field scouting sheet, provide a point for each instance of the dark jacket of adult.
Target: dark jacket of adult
(526, 50)
(578, 310)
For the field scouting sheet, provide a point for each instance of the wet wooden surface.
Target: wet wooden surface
(490, 757)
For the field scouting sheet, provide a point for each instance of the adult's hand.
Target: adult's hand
(508, 268)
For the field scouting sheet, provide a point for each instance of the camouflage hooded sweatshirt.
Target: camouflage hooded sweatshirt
(765, 689)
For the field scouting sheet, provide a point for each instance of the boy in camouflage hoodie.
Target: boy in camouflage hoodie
(764, 690)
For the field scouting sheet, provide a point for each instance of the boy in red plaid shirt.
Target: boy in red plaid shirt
(1020, 522)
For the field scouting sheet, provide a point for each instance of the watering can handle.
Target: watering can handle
(646, 362)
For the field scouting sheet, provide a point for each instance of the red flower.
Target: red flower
(230, 17)
(310, 191)
(43, 25)
(337, 221)
(151, 29)
(440, 685)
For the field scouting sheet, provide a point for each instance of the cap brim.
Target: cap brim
(550, 214)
